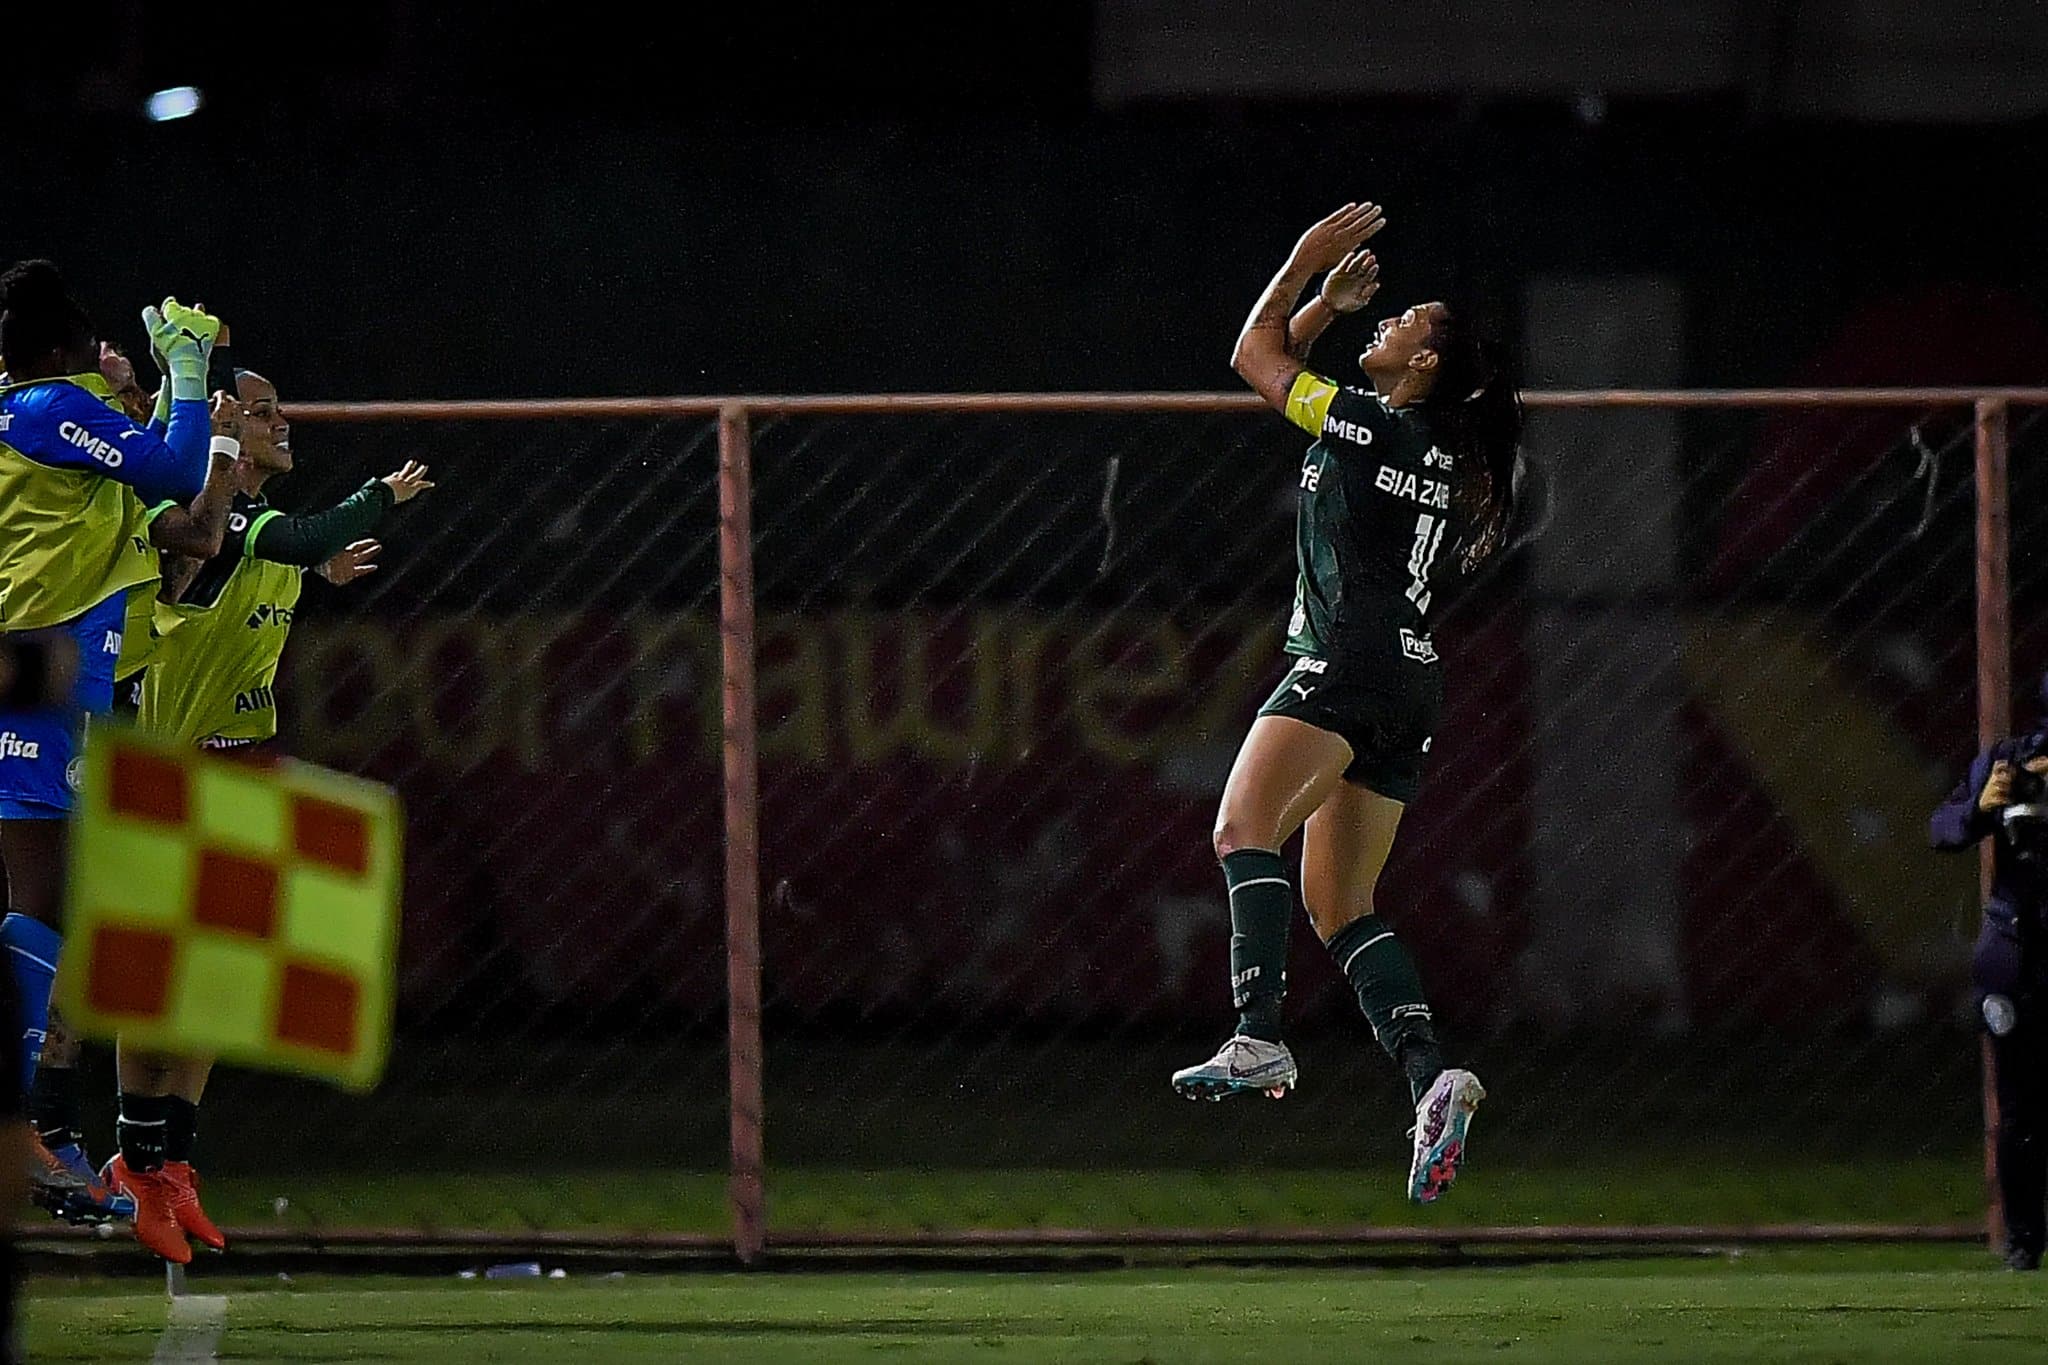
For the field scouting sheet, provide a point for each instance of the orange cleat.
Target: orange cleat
(156, 1225)
(184, 1185)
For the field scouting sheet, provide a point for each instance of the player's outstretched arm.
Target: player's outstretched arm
(1265, 356)
(313, 540)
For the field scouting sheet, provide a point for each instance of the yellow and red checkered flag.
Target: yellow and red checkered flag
(224, 909)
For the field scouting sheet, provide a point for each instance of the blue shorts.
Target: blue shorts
(39, 748)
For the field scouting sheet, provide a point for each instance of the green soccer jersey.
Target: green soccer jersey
(138, 636)
(1370, 532)
(214, 669)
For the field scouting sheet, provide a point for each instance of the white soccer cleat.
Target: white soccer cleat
(1442, 1119)
(1243, 1063)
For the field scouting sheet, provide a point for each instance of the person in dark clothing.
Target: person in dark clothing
(2005, 799)
(1409, 486)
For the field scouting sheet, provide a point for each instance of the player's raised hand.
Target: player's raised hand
(352, 563)
(409, 482)
(181, 339)
(1337, 236)
(119, 372)
(117, 369)
(227, 415)
(1997, 793)
(1352, 284)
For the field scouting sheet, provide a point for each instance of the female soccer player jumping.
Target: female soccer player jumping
(1410, 480)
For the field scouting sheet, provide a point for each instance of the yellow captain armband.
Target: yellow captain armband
(1308, 402)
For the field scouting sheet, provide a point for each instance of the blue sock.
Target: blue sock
(32, 948)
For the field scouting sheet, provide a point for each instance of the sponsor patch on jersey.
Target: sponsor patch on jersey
(106, 452)
(1420, 648)
(14, 746)
(1353, 432)
(270, 615)
(255, 699)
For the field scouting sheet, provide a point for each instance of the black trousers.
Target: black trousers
(2012, 991)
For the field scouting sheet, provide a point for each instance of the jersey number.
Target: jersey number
(1429, 538)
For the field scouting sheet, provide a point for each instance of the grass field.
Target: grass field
(1947, 1305)
(1676, 1187)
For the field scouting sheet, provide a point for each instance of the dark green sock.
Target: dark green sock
(1390, 993)
(181, 1129)
(1261, 911)
(142, 1130)
(53, 1107)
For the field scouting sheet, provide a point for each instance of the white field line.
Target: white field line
(193, 1333)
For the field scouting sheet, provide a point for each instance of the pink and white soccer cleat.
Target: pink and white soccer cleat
(1443, 1118)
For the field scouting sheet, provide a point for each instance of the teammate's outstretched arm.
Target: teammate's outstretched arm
(1266, 356)
(315, 539)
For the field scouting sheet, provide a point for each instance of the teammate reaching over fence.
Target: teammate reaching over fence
(1410, 482)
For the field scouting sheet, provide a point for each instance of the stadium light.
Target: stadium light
(179, 101)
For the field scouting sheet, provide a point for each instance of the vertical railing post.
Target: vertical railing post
(746, 1189)
(1994, 695)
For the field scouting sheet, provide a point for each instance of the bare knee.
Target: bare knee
(1234, 833)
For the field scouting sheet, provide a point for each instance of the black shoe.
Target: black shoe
(2022, 1258)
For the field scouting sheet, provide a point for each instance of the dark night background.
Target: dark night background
(403, 199)
(391, 199)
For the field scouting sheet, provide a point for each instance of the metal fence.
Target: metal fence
(809, 801)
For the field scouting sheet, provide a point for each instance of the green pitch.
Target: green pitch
(1718, 1188)
(1947, 1305)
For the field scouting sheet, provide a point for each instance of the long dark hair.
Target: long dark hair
(1475, 413)
(38, 316)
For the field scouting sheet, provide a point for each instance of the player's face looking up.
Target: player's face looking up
(266, 435)
(1405, 345)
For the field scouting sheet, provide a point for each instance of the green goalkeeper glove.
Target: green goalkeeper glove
(181, 338)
